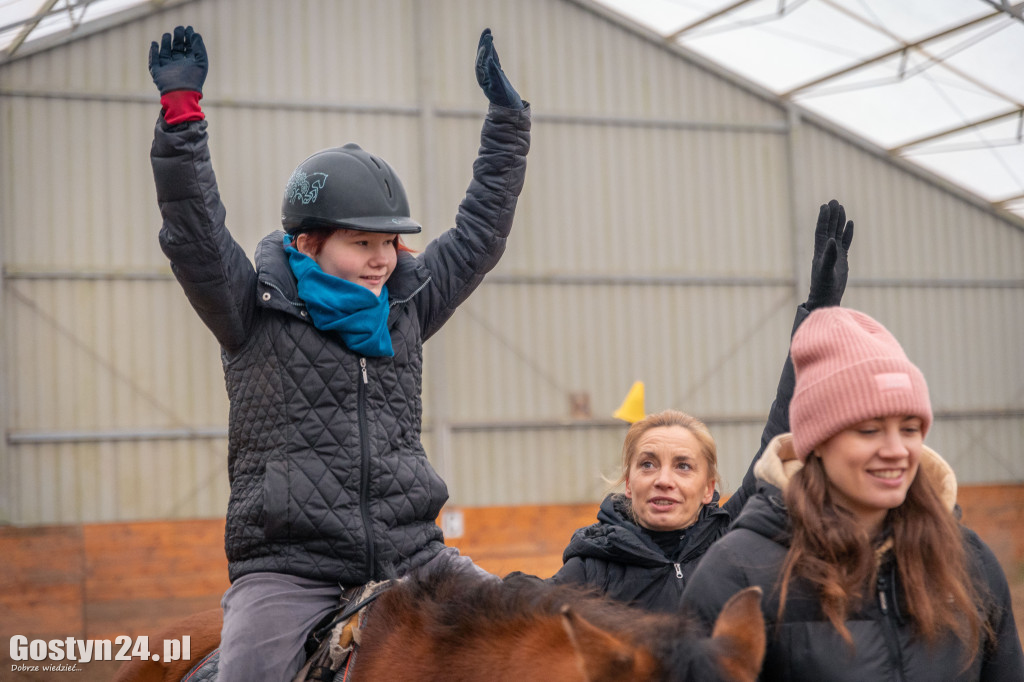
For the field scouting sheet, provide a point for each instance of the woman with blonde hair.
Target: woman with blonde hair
(648, 539)
(853, 534)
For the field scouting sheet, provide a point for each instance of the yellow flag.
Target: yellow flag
(632, 408)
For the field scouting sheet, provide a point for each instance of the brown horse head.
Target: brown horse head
(738, 637)
(602, 656)
(734, 652)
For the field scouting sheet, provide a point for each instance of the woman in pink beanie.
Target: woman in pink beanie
(854, 533)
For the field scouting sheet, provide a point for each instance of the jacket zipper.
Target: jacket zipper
(892, 633)
(679, 571)
(364, 480)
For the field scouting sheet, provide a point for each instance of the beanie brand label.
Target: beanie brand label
(893, 381)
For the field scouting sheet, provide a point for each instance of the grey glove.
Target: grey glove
(829, 267)
(179, 62)
(490, 76)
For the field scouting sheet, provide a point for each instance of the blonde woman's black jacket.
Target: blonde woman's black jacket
(804, 646)
(615, 556)
(328, 477)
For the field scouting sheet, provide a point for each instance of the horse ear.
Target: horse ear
(739, 636)
(602, 656)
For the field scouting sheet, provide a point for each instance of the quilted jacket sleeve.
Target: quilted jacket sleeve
(778, 422)
(211, 267)
(458, 259)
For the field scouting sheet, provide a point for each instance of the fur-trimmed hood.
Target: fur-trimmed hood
(779, 462)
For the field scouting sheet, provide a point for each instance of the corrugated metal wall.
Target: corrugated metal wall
(664, 235)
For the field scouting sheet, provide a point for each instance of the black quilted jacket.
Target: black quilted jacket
(328, 477)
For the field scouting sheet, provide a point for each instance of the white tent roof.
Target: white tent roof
(25, 21)
(937, 82)
(934, 81)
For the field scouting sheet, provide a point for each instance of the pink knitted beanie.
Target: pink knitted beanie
(849, 368)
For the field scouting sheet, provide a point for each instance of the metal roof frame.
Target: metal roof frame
(78, 23)
(713, 17)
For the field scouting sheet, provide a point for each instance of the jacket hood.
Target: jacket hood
(778, 464)
(274, 274)
(616, 537)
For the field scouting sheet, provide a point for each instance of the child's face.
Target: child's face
(365, 258)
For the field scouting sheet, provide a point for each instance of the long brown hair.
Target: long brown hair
(834, 553)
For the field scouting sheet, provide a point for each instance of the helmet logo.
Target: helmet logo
(304, 187)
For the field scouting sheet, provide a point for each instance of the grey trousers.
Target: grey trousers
(267, 617)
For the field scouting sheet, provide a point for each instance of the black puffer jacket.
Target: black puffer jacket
(328, 477)
(615, 556)
(805, 647)
(618, 558)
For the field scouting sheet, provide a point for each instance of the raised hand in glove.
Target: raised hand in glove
(490, 76)
(829, 267)
(179, 62)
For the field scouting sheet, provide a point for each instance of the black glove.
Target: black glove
(179, 63)
(829, 267)
(490, 76)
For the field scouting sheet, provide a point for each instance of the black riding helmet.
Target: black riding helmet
(346, 187)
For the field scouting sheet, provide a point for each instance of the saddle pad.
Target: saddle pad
(205, 670)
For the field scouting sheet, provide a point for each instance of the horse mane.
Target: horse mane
(457, 607)
(449, 625)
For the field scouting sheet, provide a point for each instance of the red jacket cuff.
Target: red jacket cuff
(182, 105)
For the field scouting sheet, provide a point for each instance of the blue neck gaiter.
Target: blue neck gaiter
(335, 304)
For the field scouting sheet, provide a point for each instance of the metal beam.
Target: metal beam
(115, 436)
(1016, 11)
(56, 437)
(891, 53)
(28, 27)
(77, 29)
(1018, 111)
(1002, 203)
(700, 22)
(565, 279)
